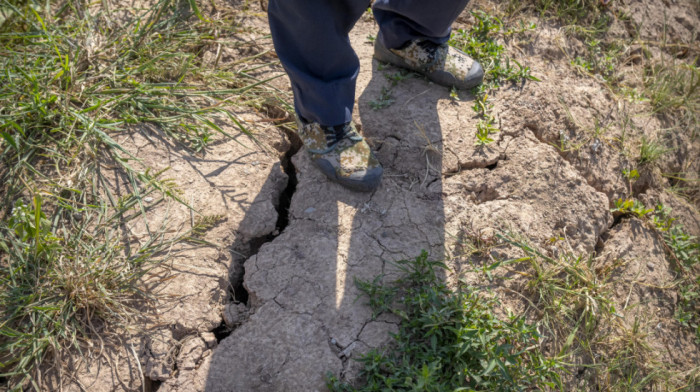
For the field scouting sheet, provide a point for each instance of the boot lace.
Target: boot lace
(339, 133)
(342, 136)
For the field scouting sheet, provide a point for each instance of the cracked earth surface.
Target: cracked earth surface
(297, 316)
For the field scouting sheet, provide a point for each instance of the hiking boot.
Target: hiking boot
(440, 63)
(342, 155)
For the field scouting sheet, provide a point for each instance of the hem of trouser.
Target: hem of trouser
(313, 118)
(410, 29)
(436, 40)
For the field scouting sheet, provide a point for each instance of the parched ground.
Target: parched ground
(272, 304)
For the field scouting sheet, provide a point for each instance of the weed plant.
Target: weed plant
(483, 130)
(669, 83)
(589, 21)
(674, 91)
(71, 76)
(481, 42)
(650, 151)
(449, 340)
(599, 59)
(571, 297)
(384, 100)
(683, 250)
(569, 12)
(585, 17)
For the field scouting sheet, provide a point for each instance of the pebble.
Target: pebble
(347, 351)
(309, 210)
(209, 338)
(650, 266)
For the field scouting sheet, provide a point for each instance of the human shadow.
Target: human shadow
(307, 316)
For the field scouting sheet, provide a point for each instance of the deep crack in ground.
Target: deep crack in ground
(238, 292)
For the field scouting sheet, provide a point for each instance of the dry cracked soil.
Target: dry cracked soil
(272, 306)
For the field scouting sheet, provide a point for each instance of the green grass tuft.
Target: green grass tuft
(650, 151)
(70, 78)
(674, 90)
(449, 340)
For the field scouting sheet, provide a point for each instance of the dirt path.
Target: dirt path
(296, 314)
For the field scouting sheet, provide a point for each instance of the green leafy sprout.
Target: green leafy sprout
(449, 339)
(481, 42)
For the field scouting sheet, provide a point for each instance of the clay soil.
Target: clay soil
(270, 304)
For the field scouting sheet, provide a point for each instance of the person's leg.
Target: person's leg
(311, 40)
(401, 21)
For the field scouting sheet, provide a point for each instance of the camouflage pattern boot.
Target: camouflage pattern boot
(441, 64)
(342, 155)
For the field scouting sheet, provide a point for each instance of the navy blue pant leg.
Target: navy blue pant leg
(401, 21)
(311, 40)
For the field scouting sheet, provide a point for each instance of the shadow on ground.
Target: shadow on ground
(307, 318)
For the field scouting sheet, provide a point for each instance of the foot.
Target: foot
(441, 64)
(342, 155)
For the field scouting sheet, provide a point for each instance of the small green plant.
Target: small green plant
(628, 366)
(687, 312)
(398, 76)
(571, 298)
(682, 249)
(589, 21)
(630, 207)
(685, 247)
(633, 94)
(571, 295)
(650, 151)
(59, 274)
(674, 89)
(599, 59)
(449, 340)
(454, 94)
(476, 241)
(385, 100)
(569, 12)
(483, 129)
(481, 43)
(630, 174)
(380, 295)
(583, 64)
